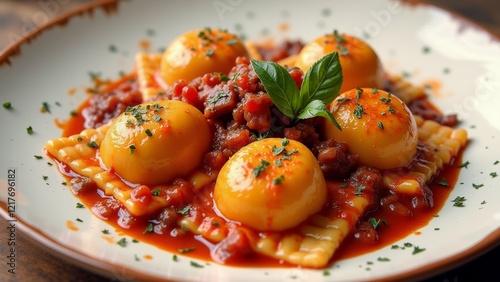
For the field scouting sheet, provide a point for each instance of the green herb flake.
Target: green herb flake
(149, 228)
(45, 177)
(105, 231)
(359, 190)
(175, 258)
(79, 220)
(64, 183)
(459, 201)
(132, 149)
(92, 144)
(374, 90)
(359, 92)
(231, 42)
(156, 192)
(343, 99)
(112, 48)
(395, 247)
(45, 107)
(79, 206)
(384, 100)
(483, 202)
(380, 125)
(195, 264)
(496, 162)
(417, 250)
(443, 182)
(186, 250)
(122, 242)
(391, 110)
(257, 170)
(136, 258)
(326, 273)
(383, 259)
(358, 112)
(278, 162)
(38, 157)
(464, 165)
(278, 180)
(376, 222)
(185, 210)
(477, 186)
(73, 113)
(148, 132)
(493, 174)
(217, 97)
(29, 130)
(7, 105)
(209, 52)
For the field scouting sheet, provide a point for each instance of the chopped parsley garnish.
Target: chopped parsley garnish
(477, 186)
(232, 42)
(136, 258)
(343, 99)
(493, 174)
(217, 97)
(79, 220)
(156, 118)
(391, 110)
(38, 157)
(359, 92)
(257, 170)
(29, 130)
(92, 144)
(464, 165)
(122, 242)
(73, 113)
(380, 125)
(417, 250)
(105, 231)
(186, 250)
(459, 201)
(496, 162)
(7, 105)
(185, 210)
(384, 100)
(149, 228)
(175, 258)
(383, 259)
(79, 206)
(278, 180)
(376, 222)
(79, 139)
(359, 190)
(148, 132)
(156, 192)
(132, 149)
(45, 107)
(113, 48)
(358, 112)
(443, 182)
(45, 177)
(195, 264)
(209, 52)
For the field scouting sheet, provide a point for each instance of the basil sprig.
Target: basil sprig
(321, 85)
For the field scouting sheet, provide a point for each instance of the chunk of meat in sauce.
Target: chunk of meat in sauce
(335, 160)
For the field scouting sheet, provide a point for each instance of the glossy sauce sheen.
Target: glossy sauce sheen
(398, 227)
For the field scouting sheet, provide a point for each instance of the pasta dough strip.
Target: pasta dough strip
(147, 65)
(438, 145)
(75, 152)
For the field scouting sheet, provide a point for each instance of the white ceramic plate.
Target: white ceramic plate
(428, 43)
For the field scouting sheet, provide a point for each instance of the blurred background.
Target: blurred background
(19, 16)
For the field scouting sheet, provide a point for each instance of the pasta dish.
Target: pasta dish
(251, 154)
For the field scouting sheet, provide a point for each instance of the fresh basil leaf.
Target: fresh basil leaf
(280, 86)
(317, 108)
(323, 80)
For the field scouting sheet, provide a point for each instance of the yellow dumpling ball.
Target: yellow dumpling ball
(376, 125)
(360, 64)
(270, 184)
(155, 142)
(198, 52)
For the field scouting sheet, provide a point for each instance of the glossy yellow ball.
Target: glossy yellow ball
(270, 185)
(376, 125)
(199, 52)
(154, 143)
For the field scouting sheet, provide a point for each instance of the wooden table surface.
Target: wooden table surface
(36, 264)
